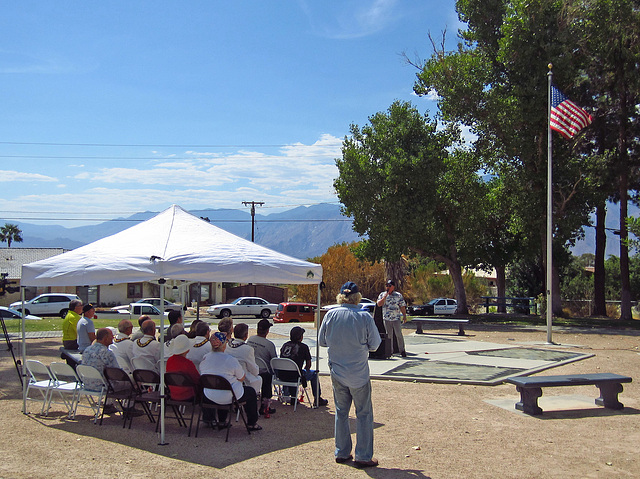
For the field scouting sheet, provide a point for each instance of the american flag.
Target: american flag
(567, 118)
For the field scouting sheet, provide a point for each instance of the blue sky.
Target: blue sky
(111, 108)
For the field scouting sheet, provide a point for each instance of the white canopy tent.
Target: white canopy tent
(172, 245)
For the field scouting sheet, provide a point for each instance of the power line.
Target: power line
(151, 145)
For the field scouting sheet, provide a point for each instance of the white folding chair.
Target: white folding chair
(124, 364)
(98, 388)
(287, 373)
(66, 383)
(41, 380)
(143, 363)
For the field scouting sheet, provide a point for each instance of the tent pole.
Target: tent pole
(24, 355)
(316, 396)
(162, 364)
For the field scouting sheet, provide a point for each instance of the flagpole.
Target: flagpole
(549, 214)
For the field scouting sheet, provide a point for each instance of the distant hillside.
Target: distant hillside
(303, 232)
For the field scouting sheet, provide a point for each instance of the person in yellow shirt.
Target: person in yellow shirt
(69, 324)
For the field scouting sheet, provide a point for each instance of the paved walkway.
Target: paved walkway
(432, 358)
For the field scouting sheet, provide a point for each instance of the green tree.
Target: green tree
(608, 36)
(409, 189)
(496, 84)
(10, 233)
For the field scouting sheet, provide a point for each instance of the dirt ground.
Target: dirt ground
(421, 431)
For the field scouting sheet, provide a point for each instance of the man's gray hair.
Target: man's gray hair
(353, 298)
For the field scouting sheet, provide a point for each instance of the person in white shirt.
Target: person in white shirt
(147, 347)
(219, 363)
(200, 345)
(122, 345)
(243, 352)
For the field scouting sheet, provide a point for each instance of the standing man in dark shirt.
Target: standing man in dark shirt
(299, 352)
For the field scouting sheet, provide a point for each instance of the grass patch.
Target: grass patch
(54, 323)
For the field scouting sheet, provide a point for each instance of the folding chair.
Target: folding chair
(98, 389)
(124, 391)
(124, 364)
(286, 373)
(142, 363)
(41, 380)
(67, 383)
(148, 384)
(178, 379)
(212, 381)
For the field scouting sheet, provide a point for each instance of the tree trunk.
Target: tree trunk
(455, 270)
(556, 299)
(599, 299)
(625, 293)
(501, 283)
(396, 272)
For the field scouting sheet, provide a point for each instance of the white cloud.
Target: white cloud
(10, 176)
(350, 18)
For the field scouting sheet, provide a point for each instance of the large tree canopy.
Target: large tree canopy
(409, 189)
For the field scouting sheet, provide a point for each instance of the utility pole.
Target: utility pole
(253, 215)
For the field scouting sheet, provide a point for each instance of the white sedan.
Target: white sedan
(244, 306)
(168, 305)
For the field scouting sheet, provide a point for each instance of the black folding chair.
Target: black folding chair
(125, 392)
(212, 381)
(148, 384)
(178, 379)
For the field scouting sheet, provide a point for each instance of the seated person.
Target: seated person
(122, 344)
(178, 362)
(173, 332)
(226, 326)
(175, 317)
(99, 356)
(239, 349)
(265, 350)
(192, 328)
(221, 364)
(147, 347)
(138, 334)
(299, 352)
(200, 344)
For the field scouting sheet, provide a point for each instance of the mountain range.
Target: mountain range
(303, 232)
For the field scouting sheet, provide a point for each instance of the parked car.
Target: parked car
(8, 313)
(138, 309)
(244, 306)
(435, 306)
(168, 305)
(295, 313)
(369, 307)
(49, 304)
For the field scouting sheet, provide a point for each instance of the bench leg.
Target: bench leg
(461, 330)
(418, 328)
(529, 400)
(609, 395)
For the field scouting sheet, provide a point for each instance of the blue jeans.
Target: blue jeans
(361, 398)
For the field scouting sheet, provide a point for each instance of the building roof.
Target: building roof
(12, 259)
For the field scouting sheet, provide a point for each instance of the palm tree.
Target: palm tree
(10, 233)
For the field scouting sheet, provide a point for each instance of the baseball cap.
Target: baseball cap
(264, 324)
(349, 288)
(390, 283)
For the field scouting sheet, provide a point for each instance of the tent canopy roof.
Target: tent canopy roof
(174, 244)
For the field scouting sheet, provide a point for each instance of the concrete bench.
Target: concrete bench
(530, 388)
(420, 321)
